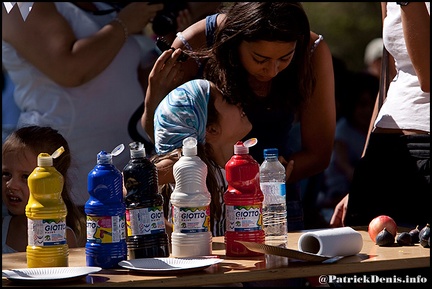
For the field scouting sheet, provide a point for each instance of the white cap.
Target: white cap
(137, 150)
(373, 51)
(190, 146)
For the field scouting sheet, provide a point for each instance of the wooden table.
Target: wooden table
(371, 258)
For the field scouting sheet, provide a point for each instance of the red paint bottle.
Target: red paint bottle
(243, 200)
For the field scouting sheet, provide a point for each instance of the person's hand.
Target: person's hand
(289, 166)
(338, 218)
(165, 75)
(137, 15)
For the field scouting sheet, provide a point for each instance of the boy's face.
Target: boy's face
(16, 168)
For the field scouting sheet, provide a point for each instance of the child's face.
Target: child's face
(233, 122)
(16, 168)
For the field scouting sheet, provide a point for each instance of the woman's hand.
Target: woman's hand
(165, 75)
(289, 166)
(338, 218)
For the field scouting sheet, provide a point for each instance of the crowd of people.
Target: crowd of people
(253, 69)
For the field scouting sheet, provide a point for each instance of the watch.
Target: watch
(402, 3)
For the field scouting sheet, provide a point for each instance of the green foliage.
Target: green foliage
(347, 27)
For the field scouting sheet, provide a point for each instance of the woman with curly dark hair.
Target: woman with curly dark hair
(263, 56)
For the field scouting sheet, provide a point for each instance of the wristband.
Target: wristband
(123, 25)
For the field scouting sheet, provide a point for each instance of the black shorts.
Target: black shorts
(393, 178)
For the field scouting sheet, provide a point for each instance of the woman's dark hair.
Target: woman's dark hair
(40, 139)
(204, 151)
(255, 21)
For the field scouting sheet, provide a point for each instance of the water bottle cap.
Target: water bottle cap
(271, 152)
(137, 150)
(46, 160)
(190, 146)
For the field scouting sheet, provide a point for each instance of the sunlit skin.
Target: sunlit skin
(232, 125)
(17, 166)
(263, 60)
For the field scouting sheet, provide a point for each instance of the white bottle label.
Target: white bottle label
(145, 221)
(46, 232)
(244, 218)
(191, 219)
(106, 229)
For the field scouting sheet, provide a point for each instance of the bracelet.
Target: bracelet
(185, 42)
(187, 45)
(125, 30)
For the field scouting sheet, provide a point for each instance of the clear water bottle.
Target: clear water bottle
(190, 202)
(272, 183)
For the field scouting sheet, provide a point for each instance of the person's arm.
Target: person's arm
(416, 29)
(71, 238)
(165, 171)
(338, 217)
(54, 48)
(416, 26)
(317, 119)
(167, 73)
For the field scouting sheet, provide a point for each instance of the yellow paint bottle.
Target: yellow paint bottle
(46, 215)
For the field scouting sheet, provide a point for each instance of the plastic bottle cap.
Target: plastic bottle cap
(271, 152)
(190, 146)
(46, 160)
(106, 158)
(250, 142)
(137, 150)
(240, 149)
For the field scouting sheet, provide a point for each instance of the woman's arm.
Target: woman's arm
(71, 238)
(317, 119)
(416, 28)
(54, 48)
(167, 73)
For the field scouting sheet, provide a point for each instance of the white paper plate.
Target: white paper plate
(48, 274)
(168, 265)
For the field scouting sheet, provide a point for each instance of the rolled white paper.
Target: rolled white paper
(344, 241)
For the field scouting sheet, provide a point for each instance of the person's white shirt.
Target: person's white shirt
(92, 117)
